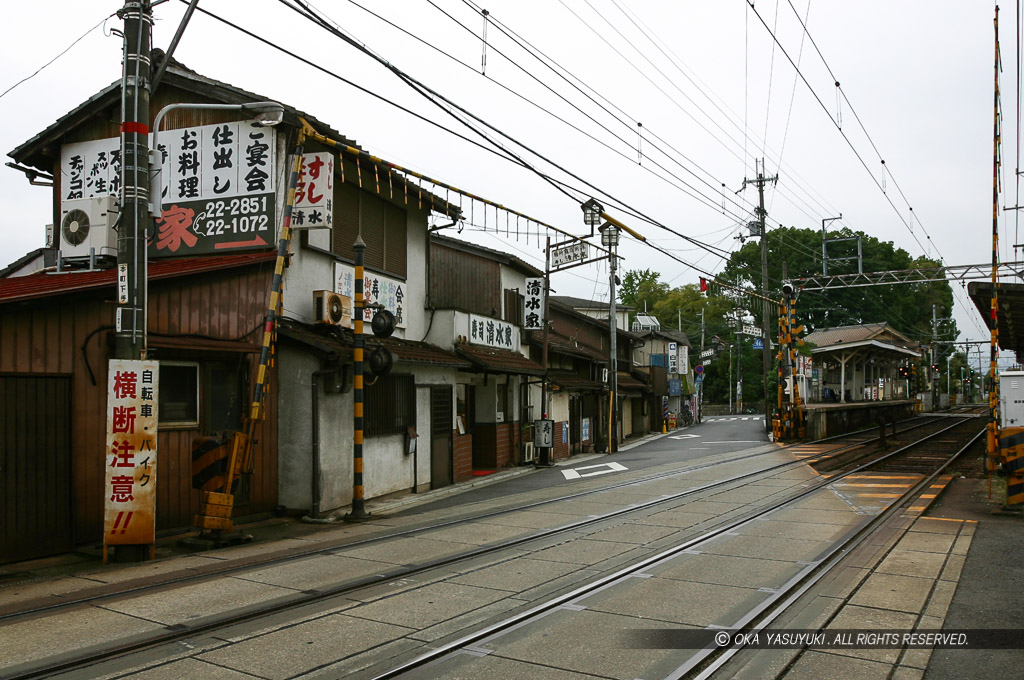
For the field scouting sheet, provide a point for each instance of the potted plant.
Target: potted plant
(599, 442)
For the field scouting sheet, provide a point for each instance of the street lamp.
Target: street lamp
(610, 239)
(264, 114)
(592, 214)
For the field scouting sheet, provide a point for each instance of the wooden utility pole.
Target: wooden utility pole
(134, 221)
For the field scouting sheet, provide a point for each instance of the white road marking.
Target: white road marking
(574, 473)
(684, 436)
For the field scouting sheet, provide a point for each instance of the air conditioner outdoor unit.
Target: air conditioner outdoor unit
(87, 225)
(329, 307)
(528, 453)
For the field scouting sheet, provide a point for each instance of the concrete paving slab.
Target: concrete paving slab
(477, 533)
(427, 606)
(401, 585)
(818, 665)
(473, 667)
(829, 502)
(927, 542)
(954, 568)
(840, 517)
(913, 563)
(757, 495)
(808, 531)
(197, 600)
(296, 615)
(919, 658)
(256, 549)
(189, 668)
(559, 585)
(725, 570)
(40, 638)
(938, 525)
(941, 598)
(899, 593)
(587, 642)
(785, 549)
(531, 519)
(54, 590)
(583, 551)
(904, 673)
(678, 519)
(639, 534)
(304, 647)
(151, 569)
(477, 618)
(583, 508)
(517, 575)
(875, 620)
(842, 581)
(406, 550)
(672, 601)
(704, 507)
(314, 573)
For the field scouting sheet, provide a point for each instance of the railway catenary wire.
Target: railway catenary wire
(216, 622)
(769, 610)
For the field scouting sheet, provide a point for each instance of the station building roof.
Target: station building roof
(1010, 316)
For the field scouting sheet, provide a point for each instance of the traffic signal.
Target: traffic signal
(381, 360)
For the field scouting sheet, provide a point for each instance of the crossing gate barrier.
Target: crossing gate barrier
(1011, 454)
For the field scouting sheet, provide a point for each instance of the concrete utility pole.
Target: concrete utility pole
(134, 221)
(612, 241)
(765, 311)
(933, 371)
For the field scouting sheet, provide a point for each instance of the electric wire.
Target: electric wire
(61, 54)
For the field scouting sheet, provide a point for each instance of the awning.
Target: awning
(572, 382)
(493, 360)
(628, 383)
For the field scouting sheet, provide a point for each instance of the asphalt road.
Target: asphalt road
(713, 436)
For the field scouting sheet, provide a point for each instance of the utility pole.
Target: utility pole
(739, 367)
(700, 385)
(765, 311)
(134, 220)
(934, 368)
(545, 452)
(610, 238)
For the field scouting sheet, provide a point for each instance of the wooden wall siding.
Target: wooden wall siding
(460, 280)
(48, 337)
(35, 452)
(585, 333)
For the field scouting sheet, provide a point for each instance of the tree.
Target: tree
(906, 307)
(641, 289)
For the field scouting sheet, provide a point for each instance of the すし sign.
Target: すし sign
(129, 459)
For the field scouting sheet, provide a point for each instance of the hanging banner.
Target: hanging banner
(533, 305)
(377, 289)
(314, 193)
(129, 460)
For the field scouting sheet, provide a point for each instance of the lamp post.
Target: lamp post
(610, 239)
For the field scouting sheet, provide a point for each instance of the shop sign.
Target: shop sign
(585, 430)
(492, 332)
(673, 358)
(533, 305)
(314, 192)
(675, 387)
(129, 459)
(577, 251)
(377, 289)
(543, 434)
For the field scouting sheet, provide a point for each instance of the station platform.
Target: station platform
(831, 419)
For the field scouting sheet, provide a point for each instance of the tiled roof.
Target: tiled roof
(326, 339)
(416, 352)
(882, 332)
(493, 360)
(564, 345)
(42, 284)
(628, 382)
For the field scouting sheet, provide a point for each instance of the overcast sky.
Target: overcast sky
(918, 75)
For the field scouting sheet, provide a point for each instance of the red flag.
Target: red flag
(703, 285)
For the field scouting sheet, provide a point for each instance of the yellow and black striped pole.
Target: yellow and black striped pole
(358, 502)
(993, 395)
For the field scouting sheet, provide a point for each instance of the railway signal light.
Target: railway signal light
(381, 360)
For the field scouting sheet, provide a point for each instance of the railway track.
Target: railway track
(325, 595)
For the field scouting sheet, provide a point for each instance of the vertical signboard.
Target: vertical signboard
(673, 358)
(377, 289)
(314, 193)
(129, 460)
(533, 305)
